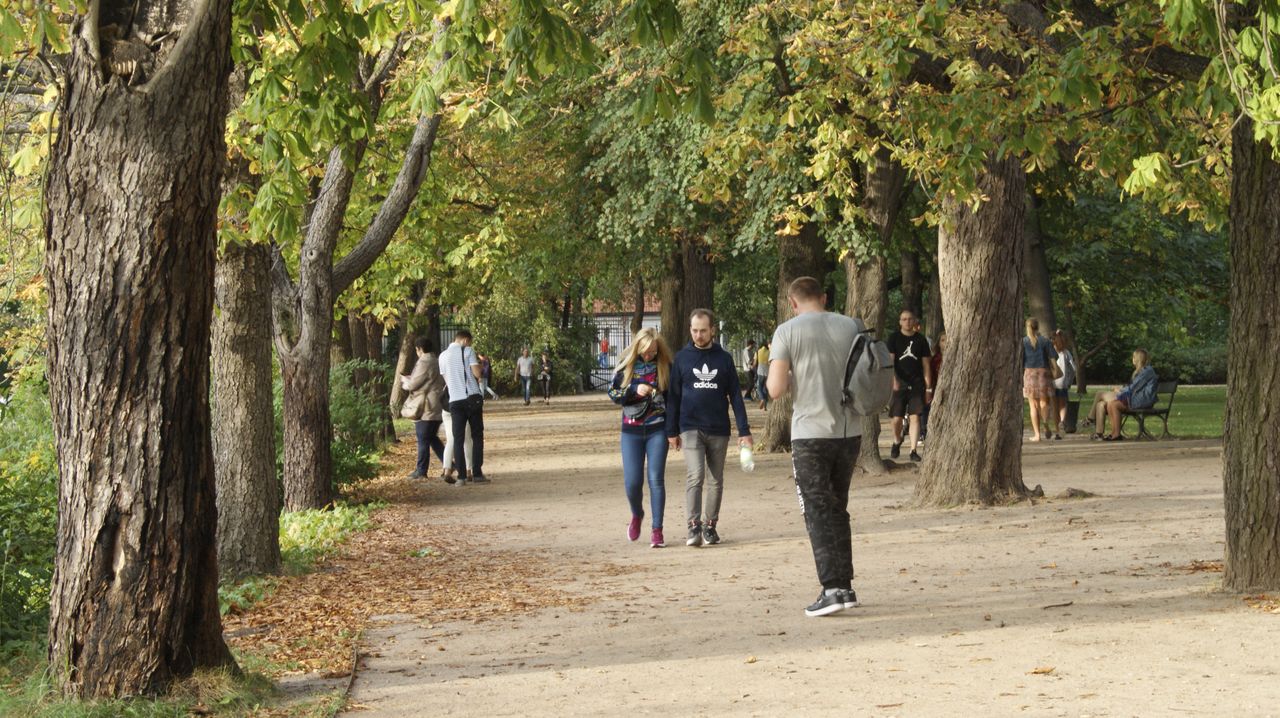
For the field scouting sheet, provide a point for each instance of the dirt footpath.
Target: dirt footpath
(1105, 606)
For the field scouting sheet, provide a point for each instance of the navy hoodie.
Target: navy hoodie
(704, 384)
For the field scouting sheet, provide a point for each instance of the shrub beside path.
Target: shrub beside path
(1098, 606)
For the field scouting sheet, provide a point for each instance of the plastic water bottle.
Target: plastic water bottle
(745, 458)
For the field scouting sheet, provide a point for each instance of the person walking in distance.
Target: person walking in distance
(486, 377)
(524, 374)
(749, 368)
(808, 358)
(640, 387)
(461, 371)
(912, 381)
(762, 373)
(704, 385)
(544, 378)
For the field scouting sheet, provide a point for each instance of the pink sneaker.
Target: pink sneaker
(633, 528)
(655, 540)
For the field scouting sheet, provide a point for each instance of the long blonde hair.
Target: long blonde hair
(1141, 359)
(641, 343)
(1033, 332)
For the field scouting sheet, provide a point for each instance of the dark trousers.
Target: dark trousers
(428, 433)
(823, 471)
(469, 411)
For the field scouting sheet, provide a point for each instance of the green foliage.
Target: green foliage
(1122, 270)
(308, 536)
(28, 514)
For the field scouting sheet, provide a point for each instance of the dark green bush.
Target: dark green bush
(28, 514)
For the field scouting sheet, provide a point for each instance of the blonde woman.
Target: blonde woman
(1037, 378)
(1139, 393)
(640, 387)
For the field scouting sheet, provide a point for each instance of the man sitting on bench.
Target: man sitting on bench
(1139, 393)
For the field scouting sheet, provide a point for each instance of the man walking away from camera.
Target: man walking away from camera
(808, 356)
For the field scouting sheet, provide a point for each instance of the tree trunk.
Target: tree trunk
(244, 454)
(1035, 272)
(934, 324)
(867, 296)
(343, 342)
(912, 285)
(699, 279)
(800, 255)
(132, 195)
(308, 430)
(637, 315)
(1251, 440)
(975, 437)
(359, 343)
(378, 388)
(302, 312)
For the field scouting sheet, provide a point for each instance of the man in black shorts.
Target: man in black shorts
(912, 381)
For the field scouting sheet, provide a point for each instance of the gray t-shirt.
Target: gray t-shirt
(817, 345)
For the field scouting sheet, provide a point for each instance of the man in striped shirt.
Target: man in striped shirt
(460, 368)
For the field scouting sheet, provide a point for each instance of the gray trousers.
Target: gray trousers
(703, 451)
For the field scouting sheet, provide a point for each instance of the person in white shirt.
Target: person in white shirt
(524, 374)
(460, 368)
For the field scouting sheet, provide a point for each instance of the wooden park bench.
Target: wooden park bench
(1164, 400)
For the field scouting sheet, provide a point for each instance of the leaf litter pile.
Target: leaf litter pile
(403, 565)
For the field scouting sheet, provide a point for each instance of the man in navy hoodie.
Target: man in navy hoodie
(704, 384)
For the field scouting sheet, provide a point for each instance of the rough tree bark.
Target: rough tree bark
(801, 255)
(132, 196)
(378, 389)
(867, 282)
(1251, 439)
(934, 324)
(244, 453)
(975, 442)
(912, 286)
(1035, 271)
(637, 314)
(359, 347)
(688, 285)
(303, 311)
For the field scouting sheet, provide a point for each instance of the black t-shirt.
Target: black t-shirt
(909, 353)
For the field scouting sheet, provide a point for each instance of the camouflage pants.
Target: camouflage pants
(823, 471)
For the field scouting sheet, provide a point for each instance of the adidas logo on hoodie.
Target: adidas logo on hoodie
(705, 378)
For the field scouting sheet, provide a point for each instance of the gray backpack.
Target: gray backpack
(868, 376)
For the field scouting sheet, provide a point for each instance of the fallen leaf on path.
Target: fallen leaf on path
(1042, 671)
(751, 659)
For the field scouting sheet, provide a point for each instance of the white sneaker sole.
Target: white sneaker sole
(825, 610)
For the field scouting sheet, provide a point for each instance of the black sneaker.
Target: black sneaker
(709, 535)
(850, 599)
(479, 479)
(895, 451)
(915, 456)
(827, 604)
(695, 536)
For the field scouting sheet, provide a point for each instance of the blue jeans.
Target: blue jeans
(652, 444)
(526, 383)
(428, 433)
(764, 390)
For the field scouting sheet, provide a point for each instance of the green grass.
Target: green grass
(1197, 412)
